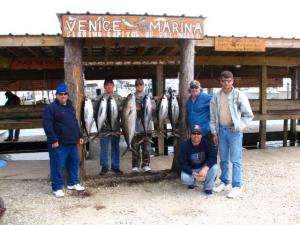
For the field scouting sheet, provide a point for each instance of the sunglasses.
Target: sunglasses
(193, 87)
(196, 133)
(62, 94)
(226, 81)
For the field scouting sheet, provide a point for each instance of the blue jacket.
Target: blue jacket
(198, 112)
(194, 157)
(60, 124)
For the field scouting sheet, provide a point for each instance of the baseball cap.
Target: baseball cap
(195, 84)
(196, 129)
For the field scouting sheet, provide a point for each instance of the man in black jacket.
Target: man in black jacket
(12, 99)
(198, 161)
(63, 135)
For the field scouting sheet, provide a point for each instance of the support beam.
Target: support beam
(293, 97)
(159, 92)
(74, 81)
(187, 58)
(285, 132)
(263, 107)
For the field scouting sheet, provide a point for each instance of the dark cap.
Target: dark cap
(139, 81)
(195, 83)
(196, 128)
(108, 81)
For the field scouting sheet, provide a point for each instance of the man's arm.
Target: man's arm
(48, 121)
(183, 160)
(246, 111)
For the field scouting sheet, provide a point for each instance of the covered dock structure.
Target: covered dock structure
(41, 62)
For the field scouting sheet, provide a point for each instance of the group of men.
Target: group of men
(219, 119)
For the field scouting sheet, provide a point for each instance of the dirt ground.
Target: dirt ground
(271, 196)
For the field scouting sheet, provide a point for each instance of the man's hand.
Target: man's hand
(81, 141)
(215, 139)
(204, 171)
(55, 145)
(232, 129)
(195, 175)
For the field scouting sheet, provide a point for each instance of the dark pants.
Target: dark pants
(136, 154)
(64, 155)
(11, 133)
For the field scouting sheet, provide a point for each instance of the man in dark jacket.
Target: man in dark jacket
(12, 99)
(198, 161)
(63, 135)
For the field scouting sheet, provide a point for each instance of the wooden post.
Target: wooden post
(263, 107)
(186, 75)
(159, 92)
(74, 82)
(293, 96)
(285, 132)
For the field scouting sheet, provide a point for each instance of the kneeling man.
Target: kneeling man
(198, 161)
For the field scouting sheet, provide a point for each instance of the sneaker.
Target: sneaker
(221, 187)
(146, 168)
(208, 192)
(135, 170)
(103, 171)
(8, 139)
(117, 171)
(15, 139)
(235, 192)
(59, 193)
(76, 187)
(191, 187)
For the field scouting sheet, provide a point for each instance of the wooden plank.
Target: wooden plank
(32, 40)
(186, 75)
(240, 82)
(35, 63)
(21, 112)
(131, 26)
(277, 105)
(29, 85)
(20, 124)
(278, 115)
(204, 60)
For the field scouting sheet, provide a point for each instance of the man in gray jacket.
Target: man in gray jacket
(230, 113)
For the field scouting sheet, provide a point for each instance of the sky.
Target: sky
(228, 17)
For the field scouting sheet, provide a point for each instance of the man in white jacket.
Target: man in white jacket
(230, 113)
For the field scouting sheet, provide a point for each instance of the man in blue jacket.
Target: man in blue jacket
(63, 135)
(198, 161)
(198, 109)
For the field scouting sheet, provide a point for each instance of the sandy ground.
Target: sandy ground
(271, 196)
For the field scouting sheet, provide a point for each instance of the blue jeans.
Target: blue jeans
(211, 175)
(64, 155)
(115, 152)
(230, 147)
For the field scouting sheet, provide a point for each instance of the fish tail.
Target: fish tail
(127, 149)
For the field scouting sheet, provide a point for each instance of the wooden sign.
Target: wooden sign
(33, 63)
(240, 44)
(129, 26)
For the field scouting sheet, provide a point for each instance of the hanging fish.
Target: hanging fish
(162, 112)
(101, 113)
(87, 115)
(112, 113)
(128, 121)
(173, 110)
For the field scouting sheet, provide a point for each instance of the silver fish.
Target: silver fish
(146, 115)
(128, 121)
(173, 110)
(162, 112)
(88, 115)
(102, 112)
(112, 113)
